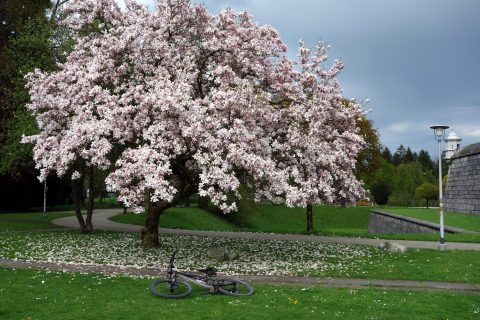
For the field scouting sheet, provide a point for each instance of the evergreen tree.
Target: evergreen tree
(399, 156)
(425, 161)
(387, 155)
(409, 156)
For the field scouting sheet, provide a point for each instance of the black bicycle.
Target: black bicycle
(172, 285)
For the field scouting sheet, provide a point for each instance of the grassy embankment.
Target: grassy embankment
(328, 220)
(30, 221)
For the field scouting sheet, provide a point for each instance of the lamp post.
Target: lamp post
(439, 132)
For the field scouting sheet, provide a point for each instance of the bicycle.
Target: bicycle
(172, 287)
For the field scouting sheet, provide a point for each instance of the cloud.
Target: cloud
(399, 127)
(470, 132)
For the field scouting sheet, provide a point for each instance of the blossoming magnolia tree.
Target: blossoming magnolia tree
(322, 140)
(180, 101)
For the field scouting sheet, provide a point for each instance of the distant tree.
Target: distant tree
(387, 155)
(425, 161)
(386, 172)
(399, 155)
(380, 191)
(409, 156)
(445, 167)
(409, 177)
(385, 179)
(427, 191)
(368, 160)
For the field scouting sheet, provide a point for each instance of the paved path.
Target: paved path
(101, 221)
(324, 282)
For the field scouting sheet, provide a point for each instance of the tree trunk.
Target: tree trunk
(309, 219)
(427, 203)
(77, 188)
(91, 195)
(149, 233)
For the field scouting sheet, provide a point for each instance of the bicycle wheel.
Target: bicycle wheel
(235, 288)
(167, 289)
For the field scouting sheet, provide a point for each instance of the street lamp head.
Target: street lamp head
(439, 131)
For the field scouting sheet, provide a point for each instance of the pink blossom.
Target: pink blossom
(182, 90)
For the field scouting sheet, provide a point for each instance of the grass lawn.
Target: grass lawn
(181, 218)
(266, 218)
(328, 220)
(31, 294)
(283, 258)
(30, 221)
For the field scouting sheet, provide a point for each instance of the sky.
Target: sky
(417, 61)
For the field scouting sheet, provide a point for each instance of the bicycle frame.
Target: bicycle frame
(200, 280)
(176, 283)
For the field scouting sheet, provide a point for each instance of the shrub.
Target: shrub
(380, 191)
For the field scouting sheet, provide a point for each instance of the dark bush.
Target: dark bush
(380, 191)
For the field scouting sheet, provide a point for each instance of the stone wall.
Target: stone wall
(462, 192)
(385, 222)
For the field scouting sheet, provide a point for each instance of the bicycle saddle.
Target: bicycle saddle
(209, 270)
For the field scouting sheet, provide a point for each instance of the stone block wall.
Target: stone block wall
(385, 222)
(462, 192)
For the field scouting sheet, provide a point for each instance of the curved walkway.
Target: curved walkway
(101, 221)
(324, 282)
